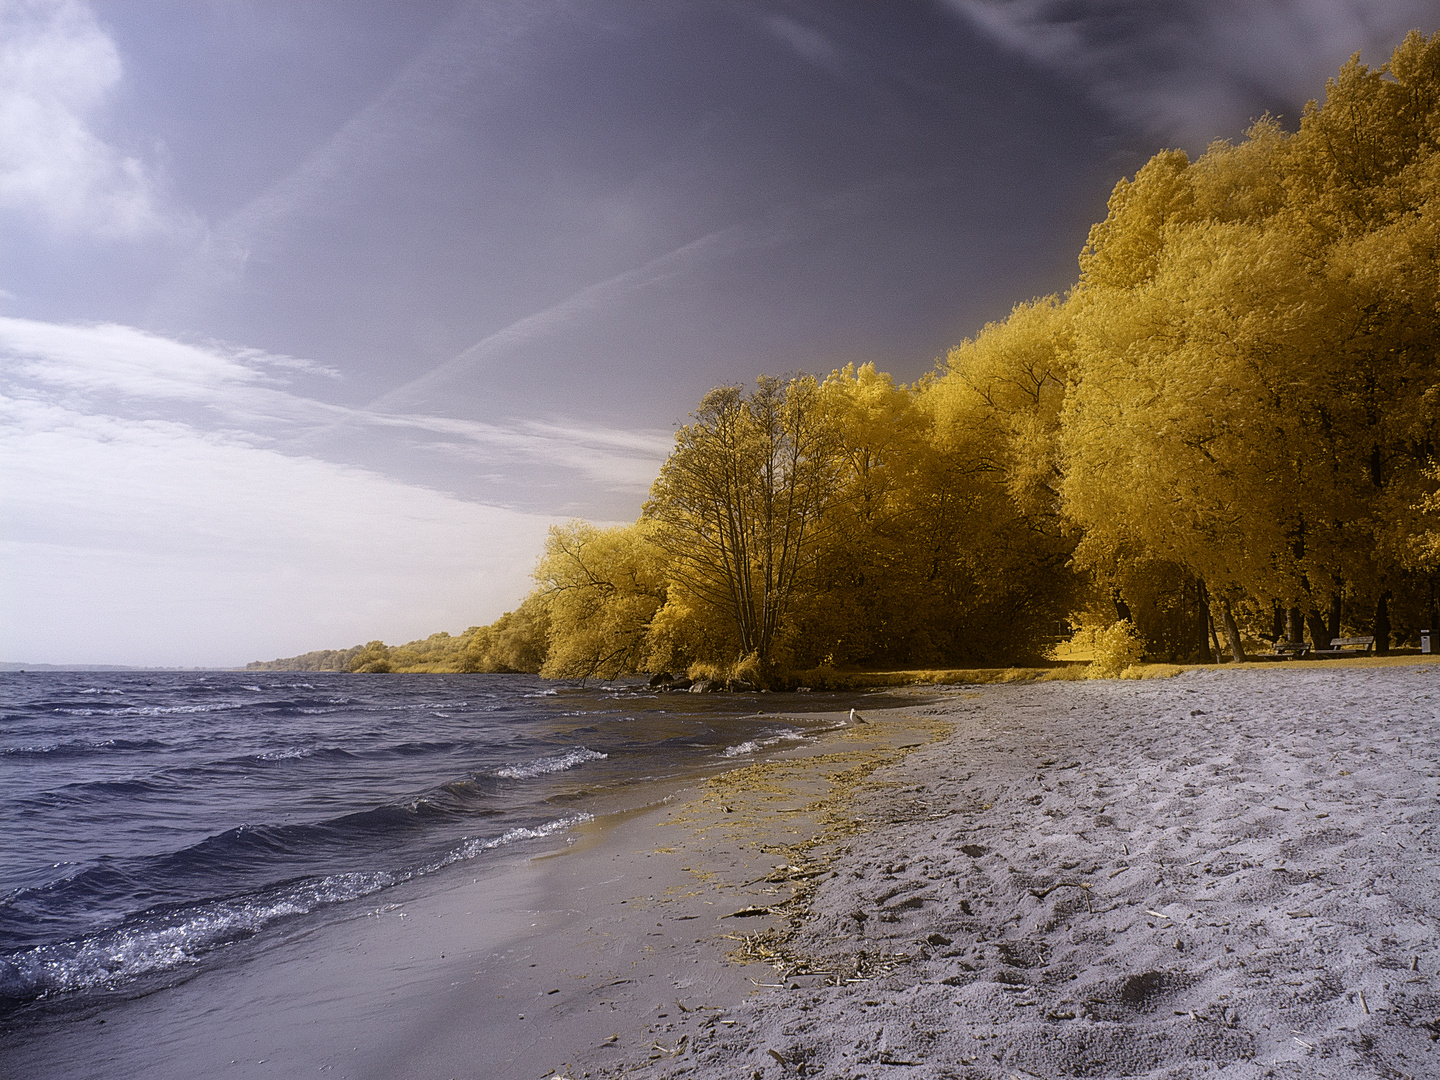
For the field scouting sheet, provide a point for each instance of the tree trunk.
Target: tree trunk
(1332, 622)
(1294, 626)
(1122, 609)
(1319, 635)
(1277, 632)
(1232, 631)
(1214, 638)
(1202, 622)
(1381, 628)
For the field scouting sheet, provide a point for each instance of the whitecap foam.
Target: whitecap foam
(290, 753)
(570, 759)
(541, 693)
(154, 710)
(154, 944)
(550, 828)
(752, 746)
(174, 940)
(73, 747)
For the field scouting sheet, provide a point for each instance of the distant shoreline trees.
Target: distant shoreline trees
(1227, 427)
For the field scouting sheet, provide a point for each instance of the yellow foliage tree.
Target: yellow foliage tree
(518, 641)
(601, 589)
(739, 506)
(994, 478)
(1254, 390)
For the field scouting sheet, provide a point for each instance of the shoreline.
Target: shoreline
(1072, 670)
(1225, 873)
(500, 971)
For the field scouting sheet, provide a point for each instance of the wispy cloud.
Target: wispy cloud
(616, 459)
(57, 68)
(810, 44)
(120, 360)
(476, 39)
(124, 372)
(154, 507)
(1195, 70)
(594, 299)
(602, 300)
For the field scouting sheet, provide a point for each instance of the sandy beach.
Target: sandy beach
(1224, 873)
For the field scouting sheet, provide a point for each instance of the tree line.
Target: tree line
(1225, 429)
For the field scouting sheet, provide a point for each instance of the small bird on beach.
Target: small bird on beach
(856, 718)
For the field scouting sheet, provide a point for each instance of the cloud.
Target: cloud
(155, 506)
(57, 67)
(1197, 69)
(123, 371)
(149, 542)
(600, 301)
(120, 360)
(595, 299)
(809, 44)
(617, 459)
(477, 38)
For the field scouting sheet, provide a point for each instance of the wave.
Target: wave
(233, 861)
(471, 848)
(166, 939)
(157, 710)
(80, 749)
(291, 753)
(570, 759)
(410, 748)
(754, 746)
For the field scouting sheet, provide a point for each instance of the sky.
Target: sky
(315, 315)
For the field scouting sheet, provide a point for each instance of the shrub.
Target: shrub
(1114, 648)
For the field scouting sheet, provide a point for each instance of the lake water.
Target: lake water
(151, 819)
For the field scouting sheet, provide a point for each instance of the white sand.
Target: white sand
(1229, 873)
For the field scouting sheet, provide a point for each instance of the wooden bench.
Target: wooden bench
(1285, 649)
(1347, 646)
